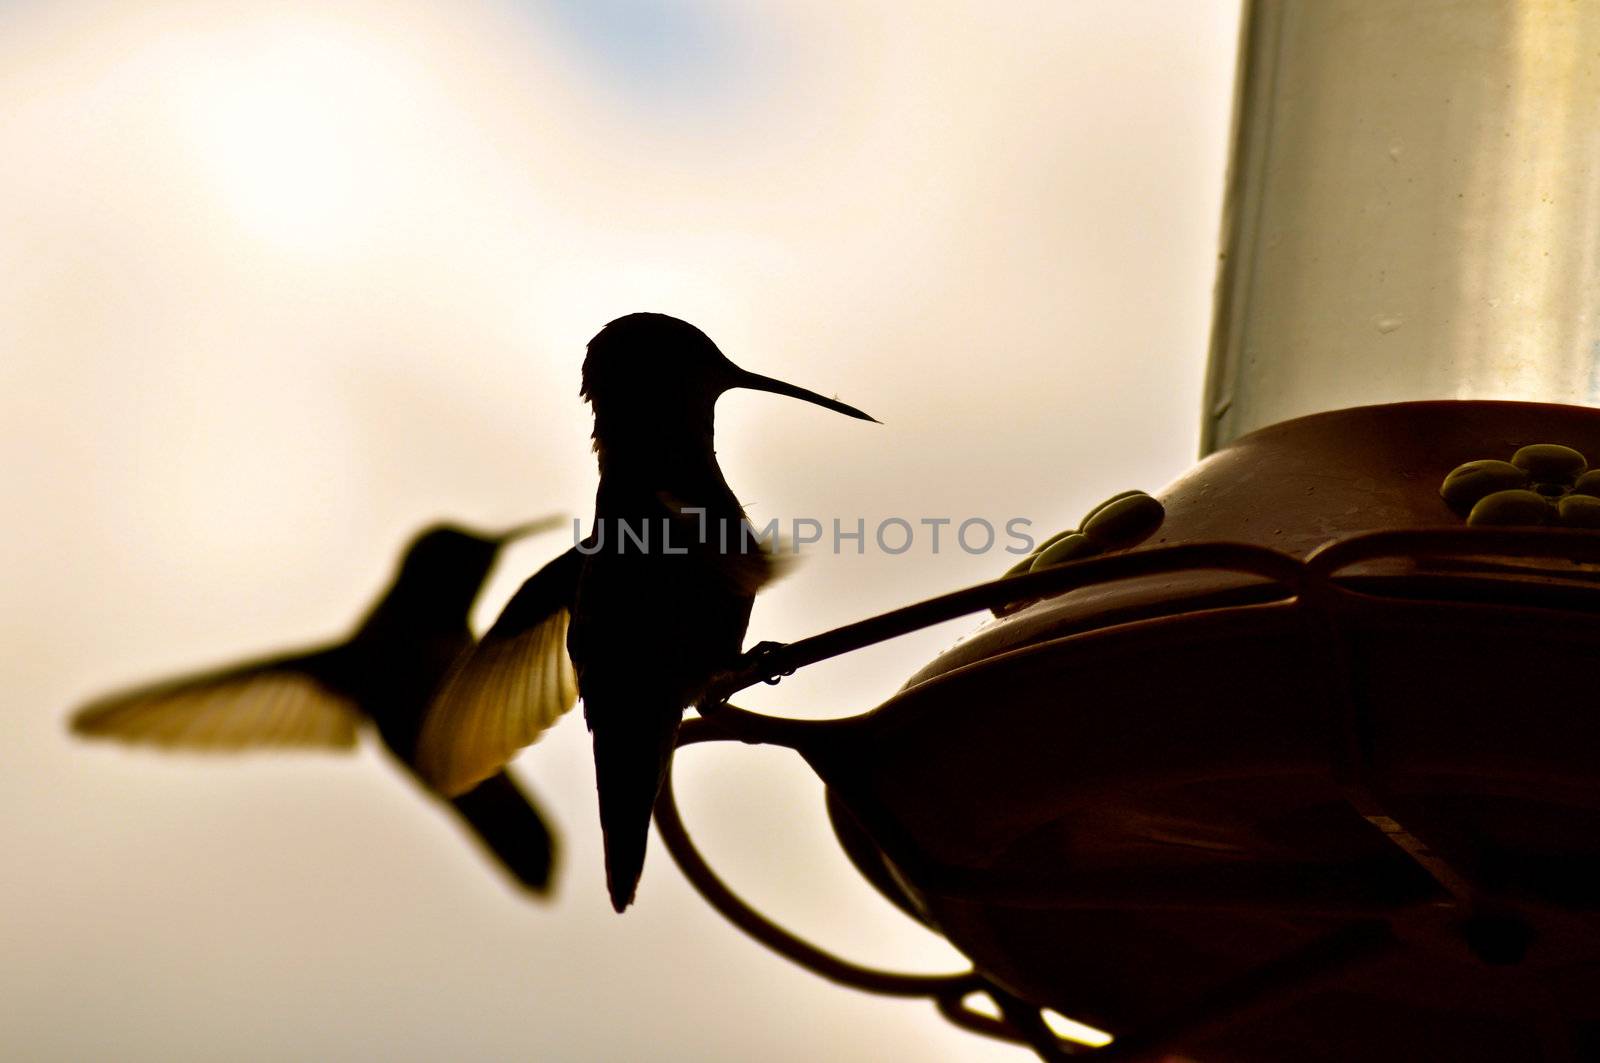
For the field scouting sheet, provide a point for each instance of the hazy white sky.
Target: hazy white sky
(281, 282)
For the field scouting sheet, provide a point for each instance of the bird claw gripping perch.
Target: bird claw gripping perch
(758, 661)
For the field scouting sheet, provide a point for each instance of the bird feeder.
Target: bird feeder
(1297, 758)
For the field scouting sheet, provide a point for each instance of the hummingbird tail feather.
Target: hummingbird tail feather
(630, 762)
(505, 819)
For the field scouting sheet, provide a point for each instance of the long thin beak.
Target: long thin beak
(757, 382)
(533, 527)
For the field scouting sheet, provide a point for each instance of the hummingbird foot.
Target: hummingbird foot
(757, 661)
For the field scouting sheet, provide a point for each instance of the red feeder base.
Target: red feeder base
(1309, 774)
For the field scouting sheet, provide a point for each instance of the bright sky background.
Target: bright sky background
(280, 282)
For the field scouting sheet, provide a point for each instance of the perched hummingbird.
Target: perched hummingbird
(387, 672)
(657, 597)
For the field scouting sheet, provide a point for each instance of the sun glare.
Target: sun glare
(286, 126)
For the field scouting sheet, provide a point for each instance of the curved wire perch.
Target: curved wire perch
(1263, 561)
(1571, 544)
(782, 660)
(755, 728)
(947, 991)
(768, 933)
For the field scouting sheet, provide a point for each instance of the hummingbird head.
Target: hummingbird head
(451, 552)
(646, 371)
(447, 564)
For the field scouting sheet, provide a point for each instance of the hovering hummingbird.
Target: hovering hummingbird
(387, 672)
(657, 597)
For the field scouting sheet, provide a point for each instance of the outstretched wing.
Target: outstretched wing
(506, 691)
(278, 703)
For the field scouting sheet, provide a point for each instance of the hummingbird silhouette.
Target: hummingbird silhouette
(386, 673)
(649, 607)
